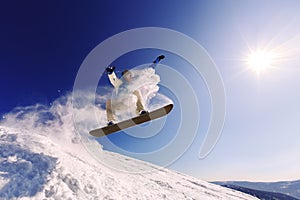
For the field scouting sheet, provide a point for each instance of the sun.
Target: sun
(260, 60)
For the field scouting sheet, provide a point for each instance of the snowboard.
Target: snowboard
(155, 114)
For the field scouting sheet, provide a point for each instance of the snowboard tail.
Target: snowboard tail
(132, 122)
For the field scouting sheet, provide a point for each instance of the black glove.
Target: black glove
(110, 69)
(159, 58)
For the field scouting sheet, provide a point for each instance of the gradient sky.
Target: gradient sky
(42, 45)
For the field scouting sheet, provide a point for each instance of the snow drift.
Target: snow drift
(32, 166)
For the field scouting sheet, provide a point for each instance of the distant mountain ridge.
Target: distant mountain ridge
(290, 188)
(264, 195)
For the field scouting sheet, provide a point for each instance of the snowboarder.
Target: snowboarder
(121, 85)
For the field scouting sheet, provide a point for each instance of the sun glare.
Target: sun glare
(260, 60)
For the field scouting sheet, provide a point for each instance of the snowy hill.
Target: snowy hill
(46, 153)
(34, 166)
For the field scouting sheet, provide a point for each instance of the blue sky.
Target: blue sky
(44, 43)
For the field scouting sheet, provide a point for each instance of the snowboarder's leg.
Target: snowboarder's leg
(139, 105)
(109, 112)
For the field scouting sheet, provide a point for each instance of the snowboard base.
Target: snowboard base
(132, 122)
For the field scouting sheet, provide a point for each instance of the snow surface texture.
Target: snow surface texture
(32, 166)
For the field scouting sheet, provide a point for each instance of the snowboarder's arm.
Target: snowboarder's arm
(157, 60)
(114, 80)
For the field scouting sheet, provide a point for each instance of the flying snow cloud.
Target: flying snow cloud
(70, 116)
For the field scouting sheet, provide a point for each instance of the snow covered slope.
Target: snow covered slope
(34, 166)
